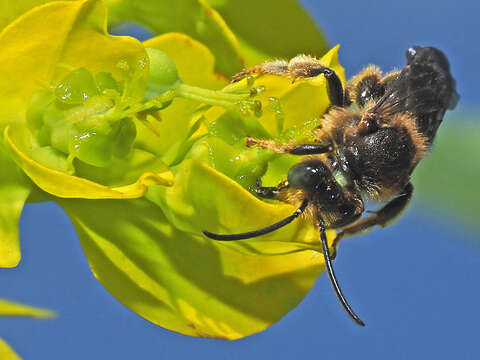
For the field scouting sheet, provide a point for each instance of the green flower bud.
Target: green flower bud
(124, 136)
(79, 119)
(56, 130)
(105, 81)
(163, 74)
(92, 148)
(78, 86)
(38, 104)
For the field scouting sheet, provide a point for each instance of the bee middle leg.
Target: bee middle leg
(295, 149)
(383, 217)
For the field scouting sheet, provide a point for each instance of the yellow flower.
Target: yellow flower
(184, 167)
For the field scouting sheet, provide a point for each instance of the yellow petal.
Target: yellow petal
(14, 190)
(44, 44)
(192, 17)
(195, 62)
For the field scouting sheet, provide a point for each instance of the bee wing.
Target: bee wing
(416, 102)
(424, 88)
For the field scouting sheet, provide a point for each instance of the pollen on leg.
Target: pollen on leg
(368, 85)
(304, 66)
(270, 145)
(276, 67)
(371, 71)
(301, 66)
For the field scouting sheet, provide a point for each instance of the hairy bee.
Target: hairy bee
(371, 139)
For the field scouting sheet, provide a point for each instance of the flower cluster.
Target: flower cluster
(143, 145)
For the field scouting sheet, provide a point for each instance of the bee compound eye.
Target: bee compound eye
(308, 175)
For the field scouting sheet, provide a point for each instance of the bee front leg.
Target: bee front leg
(383, 217)
(270, 192)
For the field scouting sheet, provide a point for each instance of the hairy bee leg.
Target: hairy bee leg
(383, 217)
(277, 67)
(301, 67)
(389, 77)
(369, 85)
(269, 192)
(310, 149)
(302, 149)
(366, 86)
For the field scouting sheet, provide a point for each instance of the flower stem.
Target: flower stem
(211, 97)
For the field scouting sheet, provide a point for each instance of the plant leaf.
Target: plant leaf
(192, 17)
(271, 29)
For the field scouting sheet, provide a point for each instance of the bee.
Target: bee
(372, 137)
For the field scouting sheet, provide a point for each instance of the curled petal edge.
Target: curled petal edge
(68, 186)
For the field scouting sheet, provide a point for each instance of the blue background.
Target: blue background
(414, 284)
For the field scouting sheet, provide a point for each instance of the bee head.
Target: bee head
(337, 204)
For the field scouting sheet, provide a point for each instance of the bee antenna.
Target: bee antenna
(266, 230)
(332, 277)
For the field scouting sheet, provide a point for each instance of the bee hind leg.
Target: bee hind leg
(302, 66)
(383, 217)
(335, 91)
(277, 67)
